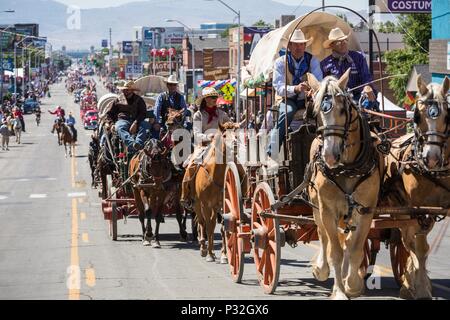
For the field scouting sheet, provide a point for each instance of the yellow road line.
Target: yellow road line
(90, 277)
(85, 237)
(83, 216)
(74, 291)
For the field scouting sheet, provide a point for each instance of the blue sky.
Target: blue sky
(358, 5)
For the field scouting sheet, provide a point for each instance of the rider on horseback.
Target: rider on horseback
(71, 124)
(60, 114)
(206, 118)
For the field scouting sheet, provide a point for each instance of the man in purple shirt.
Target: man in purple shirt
(342, 58)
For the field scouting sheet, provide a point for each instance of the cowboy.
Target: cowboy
(342, 58)
(368, 101)
(129, 112)
(71, 124)
(300, 62)
(60, 113)
(171, 99)
(207, 118)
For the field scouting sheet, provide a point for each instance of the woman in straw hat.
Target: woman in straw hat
(300, 62)
(206, 121)
(129, 111)
(341, 59)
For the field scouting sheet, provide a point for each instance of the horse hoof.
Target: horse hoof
(156, 244)
(145, 243)
(320, 276)
(203, 253)
(339, 296)
(210, 258)
(223, 260)
(406, 293)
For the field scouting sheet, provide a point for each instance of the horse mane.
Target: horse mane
(328, 84)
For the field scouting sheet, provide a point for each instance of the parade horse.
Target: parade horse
(67, 139)
(17, 127)
(207, 186)
(418, 175)
(151, 173)
(347, 173)
(57, 126)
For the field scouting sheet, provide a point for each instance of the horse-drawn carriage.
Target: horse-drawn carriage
(143, 183)
(311, 198)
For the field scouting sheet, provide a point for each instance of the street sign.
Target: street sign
(8, 64)
(127, 47)
(105, 51)
(134, 70)
(228, 91)
(104, 43)
(403, 6)
(122, 62)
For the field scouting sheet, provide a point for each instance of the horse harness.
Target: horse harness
(364, 165)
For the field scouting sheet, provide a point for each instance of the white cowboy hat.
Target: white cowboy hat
(299, 37)
(335, 34)
(128, 85)
(206, 92)
(172, 79)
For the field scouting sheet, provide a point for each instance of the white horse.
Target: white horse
(17, 127)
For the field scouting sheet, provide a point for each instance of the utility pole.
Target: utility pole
(110, 54)
(371, 12)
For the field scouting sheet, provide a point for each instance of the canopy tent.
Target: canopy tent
(316, 25)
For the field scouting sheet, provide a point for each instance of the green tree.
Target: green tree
(387, 27)
(416, 29)
(262, 23)
(344, 17)
(227, 31)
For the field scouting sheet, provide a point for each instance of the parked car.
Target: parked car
(29, 105)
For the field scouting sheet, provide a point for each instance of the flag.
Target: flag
(409, 100)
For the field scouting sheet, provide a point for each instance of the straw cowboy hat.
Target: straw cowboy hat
(369, 91)
(336, 34)
(172, 79)
(299, 37)
(128, 85)
(206, 92)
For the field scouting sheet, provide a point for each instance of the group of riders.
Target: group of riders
(129, 110)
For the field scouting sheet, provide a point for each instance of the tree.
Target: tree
(344, 17)
(262, 23)
(387, 27)
(227, 31)
(418, 27)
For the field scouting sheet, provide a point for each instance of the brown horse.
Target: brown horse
(151, 173)
(57, 126)
(347, 174)
(67, 139)
(207, 188)
(418, 174)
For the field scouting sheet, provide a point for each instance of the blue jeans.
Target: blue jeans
(292, 107)
(123, 127)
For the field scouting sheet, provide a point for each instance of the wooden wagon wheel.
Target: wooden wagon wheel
(266, 235)
(113, 221)
(399, 255)
(233, 218)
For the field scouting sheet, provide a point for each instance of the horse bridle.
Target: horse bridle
(422, 139)
(342, 132)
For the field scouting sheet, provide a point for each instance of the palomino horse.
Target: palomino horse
(418, 174)
(346, 175)
(207, 188)
(17, 127)
(151, 173)
(67, 139)
(57, 126)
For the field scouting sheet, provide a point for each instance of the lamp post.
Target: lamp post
(1, 57)
(15, 66)
(193, 55)
(238, 76)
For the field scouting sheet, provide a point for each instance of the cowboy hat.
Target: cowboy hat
(206, 92)
(299, 37)
(172, 79)
(335, 34)
(367, 89)
(128, 85)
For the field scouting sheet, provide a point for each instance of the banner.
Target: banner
(8, 64)
(403, 6)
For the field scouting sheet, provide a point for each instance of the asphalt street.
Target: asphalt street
(54, 241)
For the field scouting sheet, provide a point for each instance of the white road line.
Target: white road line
(3, 197)
(38, 195)
(50, 179)
(23, 180)
(76, 194)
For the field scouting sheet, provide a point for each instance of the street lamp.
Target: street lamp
(15, 67)
(193, 55)
(1, 57)
(238, 76)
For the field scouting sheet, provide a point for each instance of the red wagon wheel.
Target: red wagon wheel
(233, 212)
(113, 222)
(266, 235)
(399, 256)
